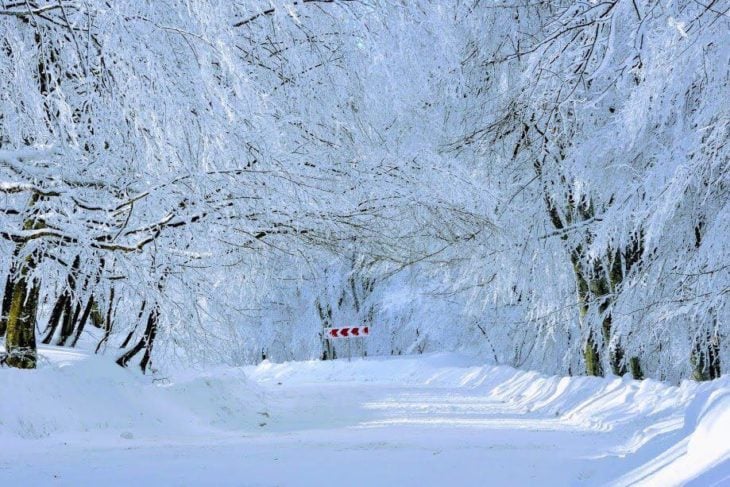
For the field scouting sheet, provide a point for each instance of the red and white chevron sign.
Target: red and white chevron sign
(349, 332)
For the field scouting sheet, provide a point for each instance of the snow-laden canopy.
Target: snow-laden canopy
(546, 182)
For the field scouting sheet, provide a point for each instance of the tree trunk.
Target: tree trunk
(615, 351)
(591, 355)
(69, 318)
(8, 294)
(592, 358)
(20, 334)
(20, 342)
(131, 333)
(325, 315)
(150, 335)
(55, 318)
(69, 324)
(145, 342)
(636, 371)
(705, 359)
(7, 301)
(82, 322)
(107, 323)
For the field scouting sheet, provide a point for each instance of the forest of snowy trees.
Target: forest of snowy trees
(546, 183)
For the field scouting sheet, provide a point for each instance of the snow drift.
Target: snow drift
(76, 397)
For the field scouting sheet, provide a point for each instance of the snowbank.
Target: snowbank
(702, 457)
(604, 403)
(73, 396)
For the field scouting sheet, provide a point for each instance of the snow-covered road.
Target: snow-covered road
(439, 420)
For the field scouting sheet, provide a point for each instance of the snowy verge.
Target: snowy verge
(76, 397)
(702, 457)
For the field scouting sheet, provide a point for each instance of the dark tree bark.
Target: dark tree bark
(107, 323)
(134, 330)
(705, 359)
(55, 318)
(62, 310)
(20, 341)
(145, 343)
(82, 322)
(8, 293)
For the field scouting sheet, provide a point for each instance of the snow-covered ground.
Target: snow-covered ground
(426, 420)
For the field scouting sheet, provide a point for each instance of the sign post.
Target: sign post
(347, 332)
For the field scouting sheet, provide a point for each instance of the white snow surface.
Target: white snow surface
(440, 419)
